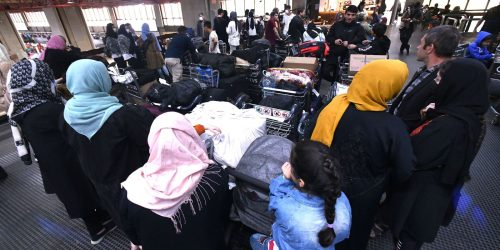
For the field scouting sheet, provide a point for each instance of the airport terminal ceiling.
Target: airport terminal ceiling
(37, 4)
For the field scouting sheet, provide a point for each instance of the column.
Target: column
(75, 27)
(10, 37)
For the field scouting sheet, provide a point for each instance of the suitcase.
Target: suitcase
(234, 84)
(215, 94)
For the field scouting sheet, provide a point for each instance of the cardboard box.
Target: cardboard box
(357, 61)
(309, 63)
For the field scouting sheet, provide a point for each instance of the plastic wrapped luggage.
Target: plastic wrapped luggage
(259, 165)
(299, 77)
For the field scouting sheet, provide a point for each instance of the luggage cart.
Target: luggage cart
(205, 74)
(280, 122)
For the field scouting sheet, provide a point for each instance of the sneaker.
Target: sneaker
(108, 227)
(3, 174)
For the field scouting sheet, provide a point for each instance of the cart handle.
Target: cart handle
(255, 182)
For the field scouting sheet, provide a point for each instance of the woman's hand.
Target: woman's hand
(287, 170)
(351, 46)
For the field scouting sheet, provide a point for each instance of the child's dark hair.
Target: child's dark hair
(313, 163)
(379, 29)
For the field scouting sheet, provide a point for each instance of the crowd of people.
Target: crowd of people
(120, 166)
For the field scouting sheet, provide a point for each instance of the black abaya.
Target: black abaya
(59, 166)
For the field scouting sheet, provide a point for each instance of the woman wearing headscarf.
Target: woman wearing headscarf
(313, 33)
(233, 32)
(373, 146)
(445, 146)
(127, 46)
(37, 110)
(152, 51)
(112, 47)
(110, 139)
(58, 57)
(251, 28)
(178, 195)
(21, 143)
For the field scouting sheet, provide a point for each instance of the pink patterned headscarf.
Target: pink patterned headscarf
(177, 161)
(55, 42)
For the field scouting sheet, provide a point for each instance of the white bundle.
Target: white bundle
(239, 128)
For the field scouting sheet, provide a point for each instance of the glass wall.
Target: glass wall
(172, 14)
(260, 6)
(136, 15)
(97, 19)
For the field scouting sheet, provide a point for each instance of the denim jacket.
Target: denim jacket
(300, 216)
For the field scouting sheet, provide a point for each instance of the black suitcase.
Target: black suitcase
(214, 94)
(234, 84)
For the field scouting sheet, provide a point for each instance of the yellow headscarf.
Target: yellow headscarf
(372, 87)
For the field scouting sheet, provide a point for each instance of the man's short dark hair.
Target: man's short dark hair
(207, 24)
(220, 11)
(181, 29)
(273, 13)
(379, 29)
(288, 7)
(352, 9)
(298, 11)
(445, 39)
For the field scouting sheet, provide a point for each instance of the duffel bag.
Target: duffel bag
(186, 91)
(314, 48)
(224, 63)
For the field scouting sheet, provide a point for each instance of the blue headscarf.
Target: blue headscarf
(91, 105)
(144, 36)
(145, 31)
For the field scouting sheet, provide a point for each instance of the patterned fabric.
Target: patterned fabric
(124, 44)
(112, 46)
(30, 83)
(422, 74)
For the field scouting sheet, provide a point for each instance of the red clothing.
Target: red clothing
(269, 33)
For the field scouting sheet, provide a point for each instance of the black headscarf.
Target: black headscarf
(110, 32)
(463, 95)
(312, 30)
(123, 31)
(250, 23)
(31, 83)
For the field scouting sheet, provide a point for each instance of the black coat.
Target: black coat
(59, 60)
(113, 153)
(296, 29)
(379, 46)
(416, 100)
(59, 166)
(351, 32)
(421, 205)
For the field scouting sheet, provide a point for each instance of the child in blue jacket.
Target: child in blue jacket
(479, 48)
(310, 209)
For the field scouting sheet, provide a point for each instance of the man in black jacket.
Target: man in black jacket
(296, 28)
(343, 35)
(220, 25)
(436, 47)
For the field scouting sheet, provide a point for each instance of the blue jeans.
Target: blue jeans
(260, 241)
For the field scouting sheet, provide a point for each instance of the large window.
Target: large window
(260, 6)
(97, 16)
(172, 14)
(18, 20)
(36, 19)
(136, 15)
